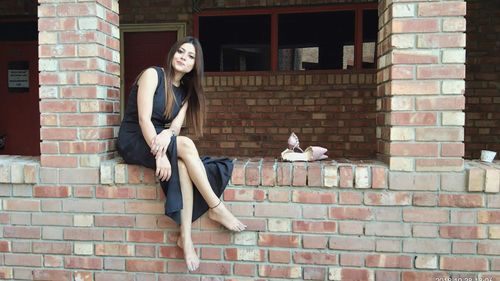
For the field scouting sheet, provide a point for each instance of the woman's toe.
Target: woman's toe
(194, 265)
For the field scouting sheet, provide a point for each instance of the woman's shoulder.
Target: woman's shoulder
(152, 72)
(154, 69)
(150, 76)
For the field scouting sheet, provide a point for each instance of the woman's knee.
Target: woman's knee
(185, 146)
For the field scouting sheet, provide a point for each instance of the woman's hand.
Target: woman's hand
(160, 143)
(163, 168)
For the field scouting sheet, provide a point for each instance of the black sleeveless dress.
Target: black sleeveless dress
(134, 150)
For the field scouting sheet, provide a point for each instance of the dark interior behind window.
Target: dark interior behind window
(316, 40)
(19, 31)
(236, 43)
(304, 40)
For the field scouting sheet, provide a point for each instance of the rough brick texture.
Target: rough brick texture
(147, 12)
(333, 110)
(116, 230)
(75, 217)
(482, 111)
(420, 112)
(336, 111)
(415, 32)
(483, 176)
(79, 85)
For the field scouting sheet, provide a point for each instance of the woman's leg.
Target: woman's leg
(185, 242)
(186, 150)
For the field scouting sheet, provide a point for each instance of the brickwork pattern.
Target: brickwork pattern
(421, 85)
(254, 115)
(72, 216)
(157, 11)
(482, 109)
(333, 110)
(483, 176)
(211, 4)
(148, 11)
(79, 84)
(299, 229)
(270, 172)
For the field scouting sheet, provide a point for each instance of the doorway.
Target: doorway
(143, 46)
(19, 99)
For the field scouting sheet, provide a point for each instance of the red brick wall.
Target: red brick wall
(420, 83)
(132, 11)
(482, 88)
(482, 118)
(254, 115)
(210, 4)
(306, 222)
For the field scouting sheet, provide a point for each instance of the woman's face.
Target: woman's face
(184, 58)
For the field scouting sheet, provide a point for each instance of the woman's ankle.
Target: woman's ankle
(213, 206)
(184, 238)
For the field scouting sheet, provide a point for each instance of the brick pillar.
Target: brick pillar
(421, 85)
(79, 87)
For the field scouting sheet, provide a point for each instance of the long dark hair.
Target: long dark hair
(192, 83)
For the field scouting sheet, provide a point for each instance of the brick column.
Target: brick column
(421, 85)
(79, 87)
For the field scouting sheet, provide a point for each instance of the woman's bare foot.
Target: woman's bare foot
(190, 256)
(221, 214)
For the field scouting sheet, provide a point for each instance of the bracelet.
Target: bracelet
(173, 132)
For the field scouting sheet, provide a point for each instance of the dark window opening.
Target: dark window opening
(316, 41)
(236, 43)
(18, 31)
(289, 39)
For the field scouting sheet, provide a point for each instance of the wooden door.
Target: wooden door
(142, 49)
(19, 105)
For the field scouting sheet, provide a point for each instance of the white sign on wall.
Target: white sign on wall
(18, 76)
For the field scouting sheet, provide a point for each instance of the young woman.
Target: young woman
(163, 97)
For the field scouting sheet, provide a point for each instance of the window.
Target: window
(236, 43)
(19, 31)
(289, 39)
(314, 40)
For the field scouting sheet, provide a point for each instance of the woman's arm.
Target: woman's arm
(176, 124)
(162, 140)
(145, 94)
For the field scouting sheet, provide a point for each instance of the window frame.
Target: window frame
(276, 11)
